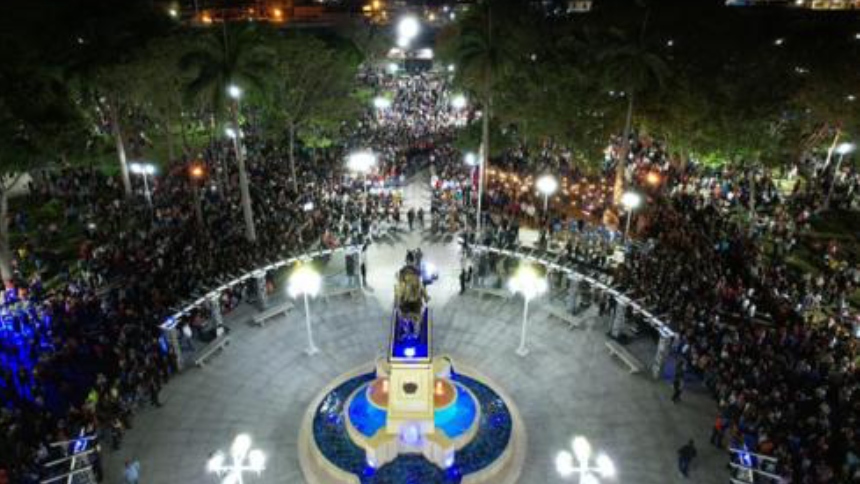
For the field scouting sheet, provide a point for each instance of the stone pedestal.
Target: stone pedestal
(262, 292)
(661, 355)
(618, 321)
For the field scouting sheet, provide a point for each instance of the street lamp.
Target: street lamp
(530, 284)
(240, 451)
(547, 185)
(146, 170)
(842, 150)
(630, 201)
(381, 103)
(471, 159)
(234, 91)
(407, 29)
(459, 102)
(566, 463)
(196, 172)
(361, 162)
(305, 282)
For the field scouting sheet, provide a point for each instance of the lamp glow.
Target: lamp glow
(605, 466)
(527, 282)
(547, 184)
(361, 161)
(581, 448)
(381, 103)
(459, 102)
(234, 91)
(564, 463)
(845, 148)
(304, 280)
(631, 200)
(408, 28)
(230, 132)
(240, 453)
(471, 159)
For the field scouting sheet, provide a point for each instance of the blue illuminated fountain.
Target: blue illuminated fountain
(412, 418)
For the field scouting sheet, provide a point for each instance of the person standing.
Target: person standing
(686, 454)
(410, 217)
(463, 277)
(132, 472)
(421, 217)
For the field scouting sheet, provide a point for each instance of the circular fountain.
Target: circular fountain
(476, 434)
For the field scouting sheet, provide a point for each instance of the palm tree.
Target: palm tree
(233, 56)
(636, 69)
(484, 48)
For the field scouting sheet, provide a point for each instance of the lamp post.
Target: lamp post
(547, 185)
(305, 282)
(630, 201)
(530, 284)
(472, 161)
(566, 463)
(145, 170)
(235, 132)
(361, 162)
(407, 29)
(197, 172)
(240, 451)
(843, 149)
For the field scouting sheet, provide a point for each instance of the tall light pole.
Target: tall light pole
(197, 172)
(843, 149)
(472, 162)
(547, 185)
(630, 201)
(361, 162)
(305, 282)
(145, 170)
(566, 463)
(240, 451)
(235, 132)
(530, 284)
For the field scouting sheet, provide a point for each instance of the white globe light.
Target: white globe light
(845, 148)
(234, 91)
(361, 161)
(257, 460)
(304, 280)
(215, 463)
(631, 200)
(547, 184)
(471, 159)
(527, 282)
(240, 447)
(582, 449)
(408, 28)
(381, 103)
(393, 68)
(588, 479)
(230, 132)
(605, 466)
(564, 463)
(459, 102)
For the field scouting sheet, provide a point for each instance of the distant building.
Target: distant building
(578, 6)
(805, 4)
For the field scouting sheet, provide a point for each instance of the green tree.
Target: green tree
(234, 56)
(313, 90)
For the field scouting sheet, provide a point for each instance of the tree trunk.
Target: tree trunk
(171, 153)
(621, 166)
(120, 147)
(244, 189)
(292, 129)
(5, 250)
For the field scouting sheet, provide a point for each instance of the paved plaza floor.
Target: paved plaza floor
(568, 385)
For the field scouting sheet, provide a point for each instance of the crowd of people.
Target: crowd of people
(80, 347)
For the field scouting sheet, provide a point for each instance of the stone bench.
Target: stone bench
(564, 315)
(263, 317)
(631, 361)
(218, 344)
(490, 291)
(342, 291)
